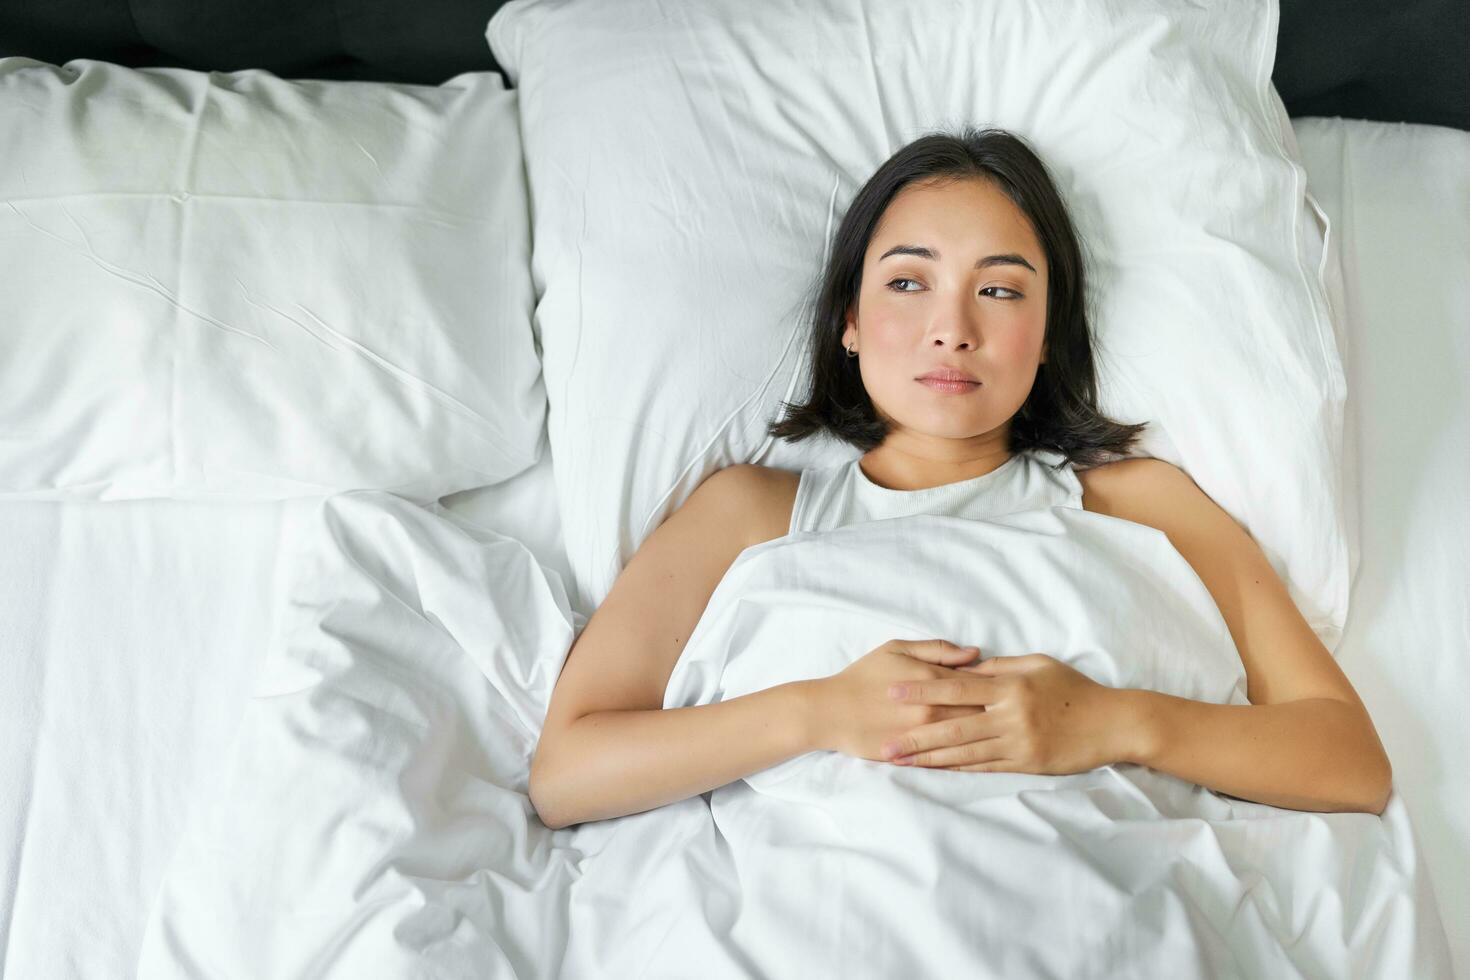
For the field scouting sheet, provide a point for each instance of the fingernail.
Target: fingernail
(897, 691)
(891, 749)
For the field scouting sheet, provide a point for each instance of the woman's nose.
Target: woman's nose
(957, 324)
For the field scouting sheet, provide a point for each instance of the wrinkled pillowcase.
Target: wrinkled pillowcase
(231, 285)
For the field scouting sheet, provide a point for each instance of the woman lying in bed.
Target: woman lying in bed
(958, 254)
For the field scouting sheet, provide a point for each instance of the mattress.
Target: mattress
(133, 629)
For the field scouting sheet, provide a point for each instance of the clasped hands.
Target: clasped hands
(907, 702)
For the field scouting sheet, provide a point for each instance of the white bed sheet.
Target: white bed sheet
(371, 817)
(1399, 197)
(131, 630)
(130, 633)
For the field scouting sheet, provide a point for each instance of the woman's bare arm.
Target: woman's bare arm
(609, 748)
(1316, 754)
(634, 760)
(1306, 740)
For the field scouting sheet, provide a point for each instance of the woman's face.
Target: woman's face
(954, 277)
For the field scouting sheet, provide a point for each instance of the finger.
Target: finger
(1007, 665)
(936, 651)
(959, 688)
(941, 734)
(997, 765)
(971, 753)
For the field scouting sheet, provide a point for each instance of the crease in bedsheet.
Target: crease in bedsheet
(1258, 897)
(438, 927)
(680, 846)
(720, 918)
(128, 276)
(395, 867)
(445, 876)
(374, 159)
(404, 377)
(338, 531)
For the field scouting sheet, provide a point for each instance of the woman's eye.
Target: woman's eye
(894, 285)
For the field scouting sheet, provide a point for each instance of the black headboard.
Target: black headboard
(1392, 60)
(424, 41)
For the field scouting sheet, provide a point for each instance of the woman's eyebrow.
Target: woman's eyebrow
(924, 252)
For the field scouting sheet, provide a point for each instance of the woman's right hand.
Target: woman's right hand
(852, 712)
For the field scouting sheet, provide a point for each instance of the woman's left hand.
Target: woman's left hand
(1037, 715)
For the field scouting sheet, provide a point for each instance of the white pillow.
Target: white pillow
(688, 164)
(232, 285)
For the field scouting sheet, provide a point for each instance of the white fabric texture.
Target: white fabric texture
(1402, 195)
(828, 864)
(829, 497)
(228, 285)
(524, 508)
(689, 163)
(133, 630)
(133, 634)
(372, 819)
(372, 816)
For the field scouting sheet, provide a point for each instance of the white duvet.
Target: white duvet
(373, 820)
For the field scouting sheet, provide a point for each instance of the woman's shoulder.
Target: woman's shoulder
(762, 497)
(1131, 488)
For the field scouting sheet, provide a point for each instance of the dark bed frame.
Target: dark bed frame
(1390, 60)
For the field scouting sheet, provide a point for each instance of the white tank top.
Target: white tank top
(834, 496)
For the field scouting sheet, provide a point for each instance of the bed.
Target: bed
(172, 776)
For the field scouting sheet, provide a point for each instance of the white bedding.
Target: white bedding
(1400, 196)
(132, 629)
(128, 632)
(372, 817)
(831, 865)
(234, 286)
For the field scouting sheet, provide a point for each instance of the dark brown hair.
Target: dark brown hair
(1060, 413)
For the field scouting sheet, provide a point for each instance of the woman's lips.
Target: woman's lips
(950, 387)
